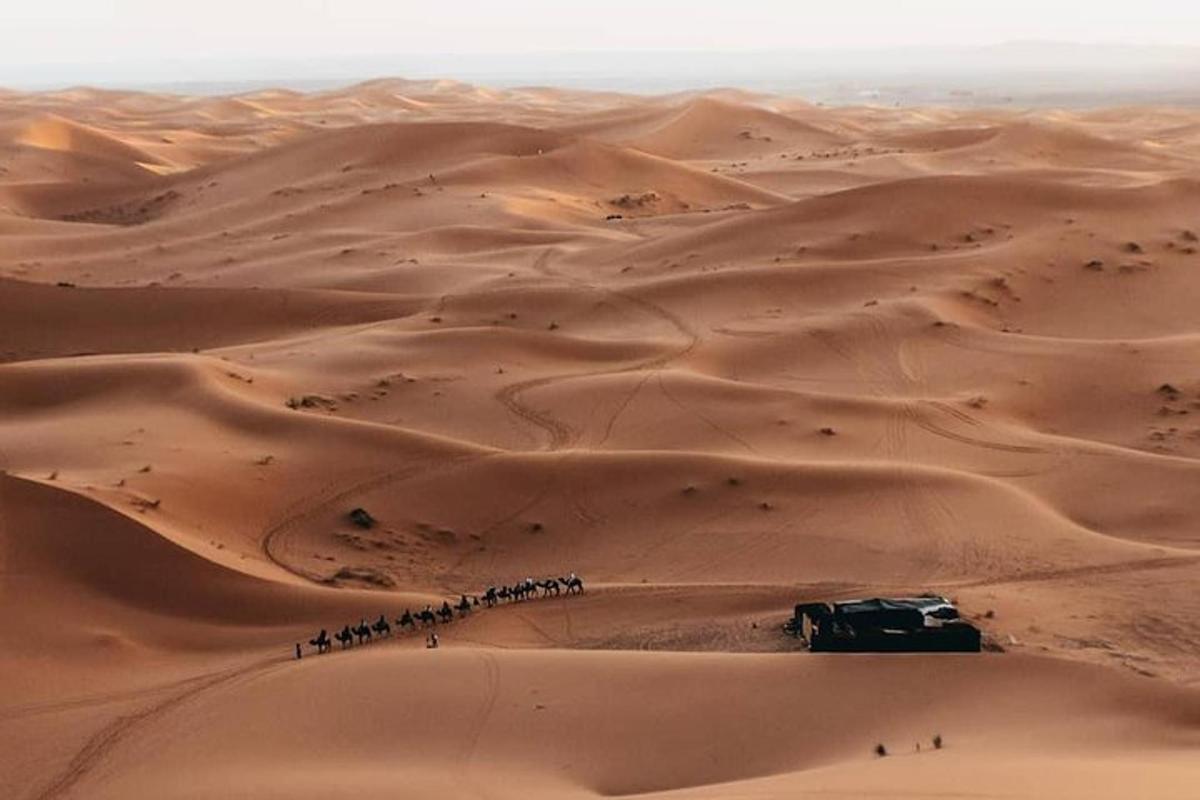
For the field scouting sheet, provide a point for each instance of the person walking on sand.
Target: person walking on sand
(432, 642)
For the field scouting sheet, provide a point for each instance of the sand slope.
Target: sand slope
(717, 352)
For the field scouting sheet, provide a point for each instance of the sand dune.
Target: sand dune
(712, 128)
(718, 352)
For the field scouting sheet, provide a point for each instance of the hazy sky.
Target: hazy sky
(41, 31)
(109, 33)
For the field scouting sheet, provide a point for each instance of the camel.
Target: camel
(322, 642)
(491, 597)
(345, 637)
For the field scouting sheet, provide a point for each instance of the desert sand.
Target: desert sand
(716, 352)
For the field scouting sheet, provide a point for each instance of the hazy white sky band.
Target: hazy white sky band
(34, 32)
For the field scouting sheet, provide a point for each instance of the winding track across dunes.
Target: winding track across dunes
(100, 744)
(560, 435)
(274, 538)
(126, 726)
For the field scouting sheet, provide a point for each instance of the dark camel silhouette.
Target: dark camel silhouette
(573, 584)
(489, 597)
(406, 620)
(426, 617)
(464, 606)
(445, 612)
(363, 632)
(550, 586)
(345, 637)
(381, 627)
(505, 593)
(322, 642)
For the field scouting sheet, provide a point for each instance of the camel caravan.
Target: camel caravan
(429, 617)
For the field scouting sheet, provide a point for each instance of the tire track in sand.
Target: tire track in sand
(100, 744)
(1068, 573)
(561, 435)
(308, 507)
(491, 689)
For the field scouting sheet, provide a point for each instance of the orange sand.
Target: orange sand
(994, 312)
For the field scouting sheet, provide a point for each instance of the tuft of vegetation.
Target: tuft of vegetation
(364, 575)
(310, 401)
(362, 518)
(880, 750)
(144, 504)
(937, 741)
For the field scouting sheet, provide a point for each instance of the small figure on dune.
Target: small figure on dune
(381, 627)
(431, 642)
(464, 606)
(299, 655)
